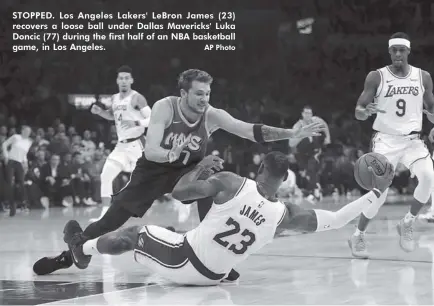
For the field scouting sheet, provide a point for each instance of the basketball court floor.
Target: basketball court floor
(299, 269)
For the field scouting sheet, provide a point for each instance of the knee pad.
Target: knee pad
(372, 210)
(423, 170)
(109, 172)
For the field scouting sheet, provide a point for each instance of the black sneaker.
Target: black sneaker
(47, 265)
(73, 237)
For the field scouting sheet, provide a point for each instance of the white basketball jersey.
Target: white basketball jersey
(402, 99)
(123, 110)
(232, 231)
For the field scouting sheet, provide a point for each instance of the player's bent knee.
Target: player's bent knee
(423, 169)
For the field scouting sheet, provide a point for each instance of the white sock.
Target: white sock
(359, 232)
(328, 220)
(89, 247)
(409, 217)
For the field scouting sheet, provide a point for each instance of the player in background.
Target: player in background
(15, 150)
(176, 141)
(429, 215)
(308, 151)
(131, 114)
(244, 217)
(397, 94)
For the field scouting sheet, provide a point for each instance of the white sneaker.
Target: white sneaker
(67, 201)
(89, 202)
(45, 202)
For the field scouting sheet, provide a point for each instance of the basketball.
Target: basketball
(379, 163)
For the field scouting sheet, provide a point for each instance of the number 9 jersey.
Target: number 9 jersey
(236, 229)
(402, 99)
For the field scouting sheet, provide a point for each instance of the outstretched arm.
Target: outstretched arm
(317, 220)
(220, 119)
(373, 80)
(199, 183)
(160, 118)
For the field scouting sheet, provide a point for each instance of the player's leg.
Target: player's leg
(357, 241)
(422, 168)
(429, 215)
(147, 182)
(169, 255)
(114, 243)
(111, 169)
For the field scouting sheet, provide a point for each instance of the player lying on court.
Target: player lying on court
(244, 217)
(176, 141)
(397, 94)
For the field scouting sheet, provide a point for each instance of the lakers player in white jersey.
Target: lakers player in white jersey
(245, 216)
(398, 94)
(131, 114)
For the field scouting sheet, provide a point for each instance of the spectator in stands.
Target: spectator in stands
(72, 132)
(33, 183)
(88, 146)
(80, 181)
(15, 150)
(55, 181)
(60, 145)
(50, 134)
(93, 169)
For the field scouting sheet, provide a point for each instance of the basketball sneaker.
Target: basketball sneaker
(73, 236)
(358, 247)
(405, 231)
(47, 265)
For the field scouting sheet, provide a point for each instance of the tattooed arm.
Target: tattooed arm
(220, 119)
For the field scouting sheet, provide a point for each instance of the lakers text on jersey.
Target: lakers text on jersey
(123, 110)
(402, 100)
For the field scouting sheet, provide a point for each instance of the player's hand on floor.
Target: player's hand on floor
(372, 108)
(126, 124)
(382, 182)
(313, 129)
(212, 162)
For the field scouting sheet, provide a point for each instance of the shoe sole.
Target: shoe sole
(350, 244)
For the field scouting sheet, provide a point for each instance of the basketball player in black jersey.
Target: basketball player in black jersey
(176, 141)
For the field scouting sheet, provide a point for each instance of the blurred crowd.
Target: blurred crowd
(289, 54)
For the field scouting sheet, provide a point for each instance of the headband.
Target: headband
(399, 41)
